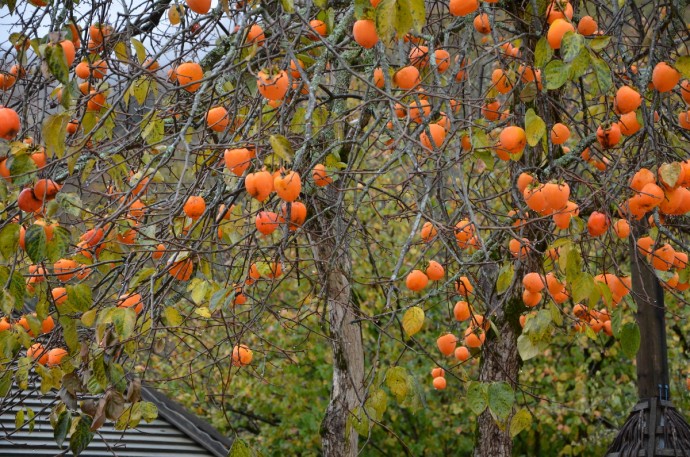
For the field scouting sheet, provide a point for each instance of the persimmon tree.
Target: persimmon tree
(443, 193)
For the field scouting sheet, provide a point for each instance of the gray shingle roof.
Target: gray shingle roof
(175, 433)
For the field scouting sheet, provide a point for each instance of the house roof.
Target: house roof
(175, 433)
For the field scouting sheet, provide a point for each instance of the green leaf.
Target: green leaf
(172, 317)
(54, 133)
(153, 128)
(682, 64)
(80, 296)
(413, 320)
(58, 246)
(82, 435)
(62, 427)
(397, 17)
(70, 203)
(139, 49)
(571, 46)
(505, 277)
(240, 449)
(542, 53)
(535, 127)
(418, 10)
(522, 420)
(149, 411)
(5, 382)
(116, 375)
(21, 169)
(19, 419)
(359, 421)
(527, 348)
(599, 43)
(57, 63)
(124, 320)
(35, 242)
(477, 397)
(580, 65)
(69, 332)
(141, 276)
(121, 51)
(140, 89)
(397, 381)
(9, 241)
(556, 74)
(501, 399)
(98, 367)
(288, 6)
(630, 339)
(670, 172)
(602, 73)
(376, 404)
(281, 147)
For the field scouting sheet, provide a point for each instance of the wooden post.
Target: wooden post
(652, 360)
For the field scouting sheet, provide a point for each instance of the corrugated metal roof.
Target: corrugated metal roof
(175, 433)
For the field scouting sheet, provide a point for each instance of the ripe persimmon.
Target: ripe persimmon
(513, 139)
(416, 280)
(531, 299)
(266, 222)
(55, 356)
(38, 353)
(181, 269)
(587, 26)
(189, 75)
(194, 207)
(288, 186)
(320, 175)
(272, 86)
(463, 286)
(559, 9)
(664, 77)
(9, 123)
(438, 372)
(481, 23)
(255, 35)
(559, 133)
(439, 383)
(217, 119)
(462, 311)
(435, 271)
(621, 228)
(428, 232)
(627, 99)
(463, 7)
(364, 33)
(407, 78)
(500, 81)
(438, 135)
(298, 214)
(597, 224)
(320, 29)
(28, 202)
(628, 124)
(609, 136)
(557, 30)
(131, 300)
(259, 185)
(446, 344)
(46, 189)
(241, 355)
(237, 160)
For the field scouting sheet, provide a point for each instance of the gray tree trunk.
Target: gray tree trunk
(500, 362)
(330, 246)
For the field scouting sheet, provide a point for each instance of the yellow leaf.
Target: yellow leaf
(203, 312)
(413, 320)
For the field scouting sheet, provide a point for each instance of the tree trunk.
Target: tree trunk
(500, 362)
(333, 260)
